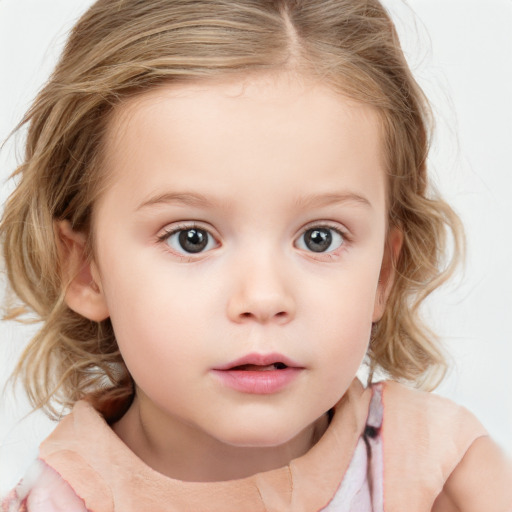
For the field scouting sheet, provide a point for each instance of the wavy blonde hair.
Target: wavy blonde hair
(121, 48)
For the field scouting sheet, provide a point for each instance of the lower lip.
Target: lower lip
(264, 382)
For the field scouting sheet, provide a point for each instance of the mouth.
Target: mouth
(260, 362)
(259, 374)
(259, 368)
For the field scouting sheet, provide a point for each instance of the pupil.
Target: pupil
(193, 240)
(318, 240)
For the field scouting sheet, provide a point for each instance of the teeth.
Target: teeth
(258, 368)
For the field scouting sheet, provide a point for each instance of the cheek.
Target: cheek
(349, 295)
(347, 335)
(345, 318)
(146, 315)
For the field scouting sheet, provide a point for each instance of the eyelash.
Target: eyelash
(169, 232)
(345, 239)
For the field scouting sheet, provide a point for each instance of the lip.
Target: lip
(260, 360)
(260, 382)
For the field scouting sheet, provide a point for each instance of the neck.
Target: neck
(183, 452)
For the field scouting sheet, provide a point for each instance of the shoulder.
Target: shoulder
(76, 450)
(423, 416)
(61, 478)
(481, 481)
(42, 490)
(403, 400)
(425, 438)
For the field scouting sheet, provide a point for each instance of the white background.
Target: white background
(461, 53)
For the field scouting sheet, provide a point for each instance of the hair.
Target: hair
(122, 48)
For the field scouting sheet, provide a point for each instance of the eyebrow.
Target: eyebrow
(185, 198)
(320, 200)
(200, 201)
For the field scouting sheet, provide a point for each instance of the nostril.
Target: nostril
(280, 314)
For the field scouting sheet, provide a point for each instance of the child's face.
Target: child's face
(243, 218)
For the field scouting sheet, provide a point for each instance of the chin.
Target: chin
(259, 436)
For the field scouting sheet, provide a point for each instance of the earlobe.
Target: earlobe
(387, 272)
(83, 292)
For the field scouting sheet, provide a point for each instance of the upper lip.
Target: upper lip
(260, 360)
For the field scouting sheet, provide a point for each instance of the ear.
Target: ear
(392, 249)
(83, 285)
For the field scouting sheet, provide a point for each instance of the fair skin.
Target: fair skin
(241, 217)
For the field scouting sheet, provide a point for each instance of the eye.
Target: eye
(320, 239)
(189, 240)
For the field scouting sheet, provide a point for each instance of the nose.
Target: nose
(261, 292)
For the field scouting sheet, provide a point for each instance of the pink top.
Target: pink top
(387, 449)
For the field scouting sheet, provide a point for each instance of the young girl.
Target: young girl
(223, 210)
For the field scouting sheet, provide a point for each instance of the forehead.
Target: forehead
(264, 127)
